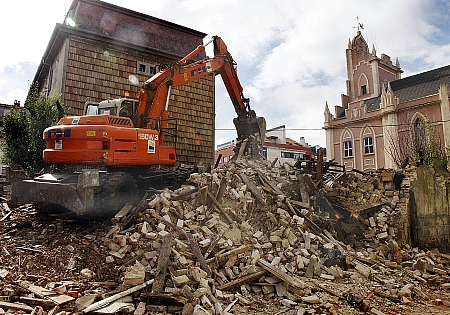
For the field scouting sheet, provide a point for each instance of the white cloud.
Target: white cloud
(291, 53)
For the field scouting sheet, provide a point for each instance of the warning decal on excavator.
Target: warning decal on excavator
(75, 120)
(90, 133)
(151, 146)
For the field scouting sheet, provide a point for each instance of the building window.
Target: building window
(225, 159)
(348, 149)
(146, 68)
(292, 155)
(368, 145)
(363, 89)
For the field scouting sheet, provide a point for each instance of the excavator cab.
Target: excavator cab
(123, 107)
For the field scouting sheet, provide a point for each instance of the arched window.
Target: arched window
(347, 143)
(420, 140)
(363, 84)
(368, 142)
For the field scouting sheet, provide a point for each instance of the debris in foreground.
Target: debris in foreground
(248, 238)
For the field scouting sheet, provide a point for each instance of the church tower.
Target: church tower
(367, 74)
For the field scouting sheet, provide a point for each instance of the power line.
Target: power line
(344, 127)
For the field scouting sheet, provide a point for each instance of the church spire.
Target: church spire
(374, 51)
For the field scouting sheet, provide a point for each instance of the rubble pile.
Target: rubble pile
(248, 238)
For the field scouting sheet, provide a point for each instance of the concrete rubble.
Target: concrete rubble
(248, 238)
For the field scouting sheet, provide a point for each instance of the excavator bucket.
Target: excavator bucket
(251, 132)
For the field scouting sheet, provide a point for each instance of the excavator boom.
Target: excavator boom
(153, 98)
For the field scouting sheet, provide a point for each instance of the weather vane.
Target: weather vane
(359, 25)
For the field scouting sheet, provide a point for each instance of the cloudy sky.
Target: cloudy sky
(290, 53)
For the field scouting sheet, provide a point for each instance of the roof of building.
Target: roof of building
(290, 144)
(420, 85)
(118, 26)
(276, 128)
(414, 87)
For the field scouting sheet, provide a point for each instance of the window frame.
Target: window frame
(368, 146)
(146, 68)
(364, 89)
(348, 148)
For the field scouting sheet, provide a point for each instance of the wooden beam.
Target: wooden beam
(254, 190)
(163, 260)
(242, 280)
(294, 282)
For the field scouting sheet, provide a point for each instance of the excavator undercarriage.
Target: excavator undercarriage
(93, 192)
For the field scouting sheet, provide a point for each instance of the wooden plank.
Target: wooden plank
(163, 260)
(6, 216)
(310, 184)
(301, 204)
(45, 293)
(319, 164)
(242, 280)
(121, 214)
(222, 188)
(270, 184)
(141, 206)
(218, 206)
(35, 301)
(186, 194)
(224, 256)
(213, 244)
(294, 282)
(16, 306)
(254, 190)
(316, 229)
(242, 147)
(115, 297)
(192, 242)
(198, 254)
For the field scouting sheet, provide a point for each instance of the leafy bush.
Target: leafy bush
(23, 128)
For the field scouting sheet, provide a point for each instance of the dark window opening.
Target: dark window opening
(363, 89)
(264, 153)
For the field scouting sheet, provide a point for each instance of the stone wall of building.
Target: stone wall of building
(429, 204)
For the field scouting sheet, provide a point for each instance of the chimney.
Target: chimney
(302, 141)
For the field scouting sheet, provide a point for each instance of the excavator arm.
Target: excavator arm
(155, 92)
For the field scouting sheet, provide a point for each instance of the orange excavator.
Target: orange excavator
(121, 141)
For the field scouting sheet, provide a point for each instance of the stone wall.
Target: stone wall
(429, 208)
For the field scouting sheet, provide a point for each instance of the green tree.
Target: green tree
(23, 128)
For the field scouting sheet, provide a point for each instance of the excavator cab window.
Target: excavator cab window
(91, 109)
(112, 111)
(126, 109)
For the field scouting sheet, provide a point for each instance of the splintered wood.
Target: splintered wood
(248, 238)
